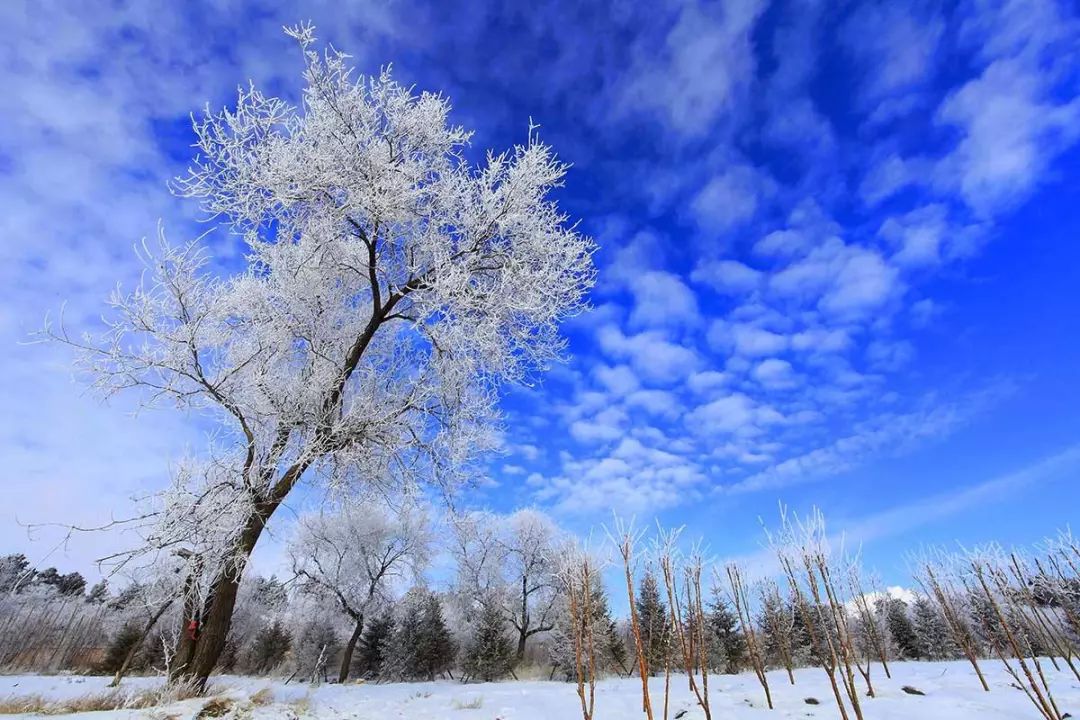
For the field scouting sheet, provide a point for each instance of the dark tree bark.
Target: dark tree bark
(350, 647)
(202, 652)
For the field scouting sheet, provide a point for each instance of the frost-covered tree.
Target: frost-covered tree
(511, 560)
(355, 555)
(932, 637)
(608, 639)
(72, 583)
(15, 573)
(900, 629)
(389, 288)
(99, 593)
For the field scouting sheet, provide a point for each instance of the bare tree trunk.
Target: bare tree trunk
(185, 643)
(350, 647)
(209, 639)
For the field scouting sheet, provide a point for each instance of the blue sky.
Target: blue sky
(838, 258)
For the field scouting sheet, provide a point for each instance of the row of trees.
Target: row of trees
(356, 606)
(1018, 608)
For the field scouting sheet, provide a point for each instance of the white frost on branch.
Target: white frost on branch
(389, 289)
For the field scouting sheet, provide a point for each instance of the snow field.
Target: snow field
(951, 693)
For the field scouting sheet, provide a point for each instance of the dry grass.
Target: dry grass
(117, 699)
(214, 709)
(475, 704)
(263, 697)
(301, 705)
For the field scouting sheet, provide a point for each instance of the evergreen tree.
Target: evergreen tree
(317, 641)
(986, 626)
(129, 595)
(129, 634)
(269, 592)
(933, 637)
(435, 646)
(399, 658)
(99, 593)
(373, 645)
(611, 648)
(69, 584)
(15, 573)
(269, 647)
(490, 653)
(654, 623)
(727, 646)
(608, 639)
(900, 628)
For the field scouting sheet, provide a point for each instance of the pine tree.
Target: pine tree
(609, 640)
(373, 646)
(15, 573)
(72, 583)
(435, 646)
(933, 637)
(269, 647)
(653, 620)
(986, 626)
(117, 651)
(399, 658)
(490, 653)
(99, 593)
(900, 628)
(612, 649)
(317, 642)
(727, 646)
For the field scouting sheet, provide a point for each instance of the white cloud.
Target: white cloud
(821, 340)
(1060, 467)
(745, 339)
(895, 49)
(655, 402)
(736, 413)
(729, 277)
(924, 311)
(705, 64)
(652, 355)
(894, 433)
(634, 477)
(917, 236)
(775, 374)
(885, 355)
(729, 198)
(783, 243)
(842, 280)
(1011, 131)
(706, 381)
(620, 379)
(888, 175)
(605, 426)
(661, 299)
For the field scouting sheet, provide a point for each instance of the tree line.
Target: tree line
(524, 597)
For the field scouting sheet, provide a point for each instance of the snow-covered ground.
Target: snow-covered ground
(951, 692)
